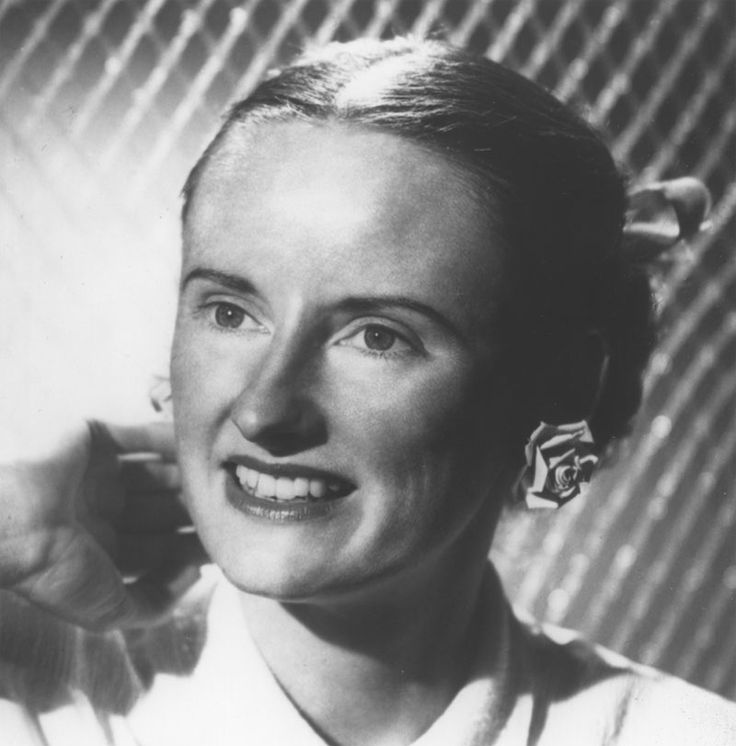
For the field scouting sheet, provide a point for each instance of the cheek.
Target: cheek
(423, 448)
(203, 384)
(421, 429)
(188, 375)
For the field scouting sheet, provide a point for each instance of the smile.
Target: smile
(286, 483)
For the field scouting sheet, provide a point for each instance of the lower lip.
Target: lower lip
(277, 511)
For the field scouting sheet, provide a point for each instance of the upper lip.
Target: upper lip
(288, 470)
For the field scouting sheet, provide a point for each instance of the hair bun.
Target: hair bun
(662, 214)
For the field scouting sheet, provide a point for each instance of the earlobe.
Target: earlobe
(160, 396)
(560, 458)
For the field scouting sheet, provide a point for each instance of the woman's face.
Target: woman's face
(333, 365)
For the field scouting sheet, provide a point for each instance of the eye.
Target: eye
(380, 341)
(226, 313)
(228, 316)
(379, 338)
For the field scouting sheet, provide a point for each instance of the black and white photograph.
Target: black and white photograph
(367, 373)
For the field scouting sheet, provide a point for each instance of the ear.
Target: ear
(160, 396)
(574, 377)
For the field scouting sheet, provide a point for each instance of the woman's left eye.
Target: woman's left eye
(228, 315)
(378, 340)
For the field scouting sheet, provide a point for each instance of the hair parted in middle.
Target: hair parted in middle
(554, 198)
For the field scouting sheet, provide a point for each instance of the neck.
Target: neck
(377, 670)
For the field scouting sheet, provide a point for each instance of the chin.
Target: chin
(284, 579)
(291, 563)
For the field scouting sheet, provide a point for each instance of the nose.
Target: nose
(277, 408)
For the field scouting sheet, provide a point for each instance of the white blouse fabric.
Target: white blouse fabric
(200, 681)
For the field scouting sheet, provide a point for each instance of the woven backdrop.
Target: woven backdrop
(104, 105)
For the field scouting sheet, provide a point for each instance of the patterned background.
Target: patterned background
(104, 106)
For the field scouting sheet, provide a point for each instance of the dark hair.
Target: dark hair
(548, 180)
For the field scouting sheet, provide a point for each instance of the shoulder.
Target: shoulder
(585, 694)
(666, 710)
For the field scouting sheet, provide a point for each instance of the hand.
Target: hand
(84, 508)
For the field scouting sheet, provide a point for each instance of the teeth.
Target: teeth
(283, 488)
(301, 487)
(266, 486)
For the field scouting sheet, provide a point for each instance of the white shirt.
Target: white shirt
(200, 681)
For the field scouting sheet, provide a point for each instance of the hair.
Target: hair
(550, 184)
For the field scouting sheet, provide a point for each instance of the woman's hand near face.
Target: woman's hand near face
(88, 508)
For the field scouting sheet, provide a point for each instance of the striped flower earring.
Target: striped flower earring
(560, 461)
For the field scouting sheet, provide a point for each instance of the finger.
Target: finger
(151, 437)
(137, 554)
(149, 476)
(152, 512)
(79, 583)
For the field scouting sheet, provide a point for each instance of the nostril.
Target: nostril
(252, 421)
(280, 424)
(277, 407)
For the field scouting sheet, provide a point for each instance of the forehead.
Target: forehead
(364, 206)
(340, 166)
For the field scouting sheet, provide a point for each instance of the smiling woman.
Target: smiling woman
(380, 245)
(331, 252)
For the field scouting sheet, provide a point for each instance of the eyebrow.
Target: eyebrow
(356, 304)
(234, 282)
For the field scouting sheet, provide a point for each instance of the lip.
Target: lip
(281, 511)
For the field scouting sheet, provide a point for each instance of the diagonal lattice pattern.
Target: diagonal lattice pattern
(103, 107)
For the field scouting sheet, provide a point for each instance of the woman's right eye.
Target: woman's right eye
(228, 316)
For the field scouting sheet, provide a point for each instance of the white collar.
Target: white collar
(232, 698)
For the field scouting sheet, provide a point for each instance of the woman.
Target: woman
(401, 263)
